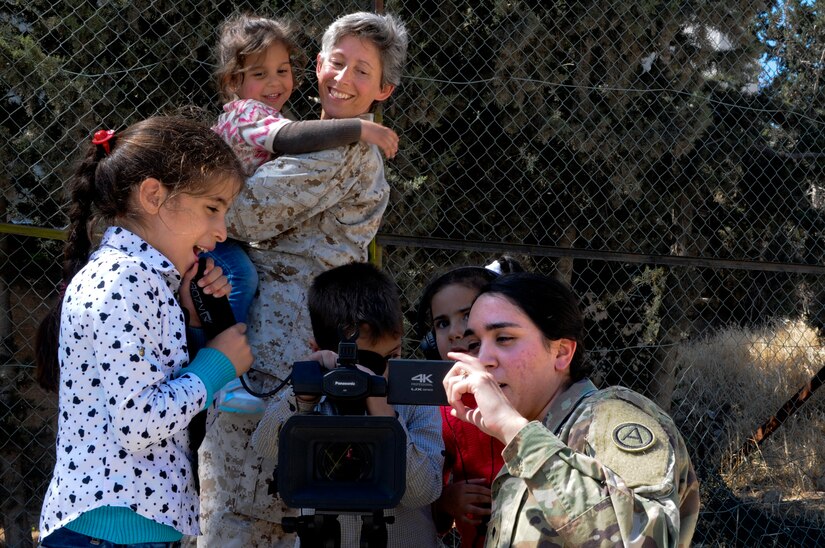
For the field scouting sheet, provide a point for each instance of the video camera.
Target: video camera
(411, 382)
(368, 453)
(344, 383)
(341, 462)
(351, 463)
(346, 462)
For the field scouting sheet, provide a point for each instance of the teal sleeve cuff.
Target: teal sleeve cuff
(213, 368)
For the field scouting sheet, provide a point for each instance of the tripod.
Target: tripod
(322, 529)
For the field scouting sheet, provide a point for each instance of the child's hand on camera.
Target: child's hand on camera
(233, 344)
(380, 136)
(377, 406)
(213, 283)
(328, 360)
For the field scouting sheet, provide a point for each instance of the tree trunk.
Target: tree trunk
(682, 291)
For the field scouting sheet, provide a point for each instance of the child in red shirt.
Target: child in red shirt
(472, 458)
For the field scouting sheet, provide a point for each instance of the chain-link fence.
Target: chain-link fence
(666, 158)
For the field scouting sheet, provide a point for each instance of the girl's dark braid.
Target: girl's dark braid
(94, 193)
(81, 189)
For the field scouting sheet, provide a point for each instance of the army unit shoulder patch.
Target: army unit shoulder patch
(633, 437)
(630, 442)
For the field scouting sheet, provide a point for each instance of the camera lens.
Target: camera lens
(343, 462)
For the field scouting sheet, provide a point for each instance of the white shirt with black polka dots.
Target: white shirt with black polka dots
(122, 438)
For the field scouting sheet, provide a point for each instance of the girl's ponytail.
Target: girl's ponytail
(76, 251)
(81, 191)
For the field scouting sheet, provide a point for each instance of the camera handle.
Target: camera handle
(215, 313)
(322, 530)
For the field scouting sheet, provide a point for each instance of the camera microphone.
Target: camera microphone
(214, 312)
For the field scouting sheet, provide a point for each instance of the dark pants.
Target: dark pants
(65, 538)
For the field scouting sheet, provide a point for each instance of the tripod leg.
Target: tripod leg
(374, 530)
(315, 531)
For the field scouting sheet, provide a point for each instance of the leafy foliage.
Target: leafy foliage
(629, 144)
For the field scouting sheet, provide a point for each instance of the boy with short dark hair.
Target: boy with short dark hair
(356, 295)
(359, 296)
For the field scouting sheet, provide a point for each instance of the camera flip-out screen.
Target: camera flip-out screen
(342, 463)
(417, 382)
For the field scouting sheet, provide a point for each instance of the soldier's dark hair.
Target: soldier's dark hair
(552, 306)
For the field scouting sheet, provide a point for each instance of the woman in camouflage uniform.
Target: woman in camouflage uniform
(582, 466)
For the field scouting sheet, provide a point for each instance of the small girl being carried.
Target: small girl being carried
(256, 57)
(115, 347)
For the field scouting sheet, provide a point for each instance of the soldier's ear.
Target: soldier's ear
(319, 63)
(565, 350)
(386, 91)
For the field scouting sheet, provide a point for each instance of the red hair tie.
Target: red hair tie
(102, 138)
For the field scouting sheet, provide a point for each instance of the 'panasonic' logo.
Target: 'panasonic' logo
(342, 383)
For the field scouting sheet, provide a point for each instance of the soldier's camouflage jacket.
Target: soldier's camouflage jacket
(605, 468)
(301, 215)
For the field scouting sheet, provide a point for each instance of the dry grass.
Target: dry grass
(35, 537)
(731, 383)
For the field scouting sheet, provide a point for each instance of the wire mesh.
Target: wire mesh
(666, 158)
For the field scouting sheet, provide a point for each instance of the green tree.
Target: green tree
(601, 126)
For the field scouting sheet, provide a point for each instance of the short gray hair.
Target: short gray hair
(388, 33)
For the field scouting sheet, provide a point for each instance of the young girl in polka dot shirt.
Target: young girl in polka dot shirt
(127, 388)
